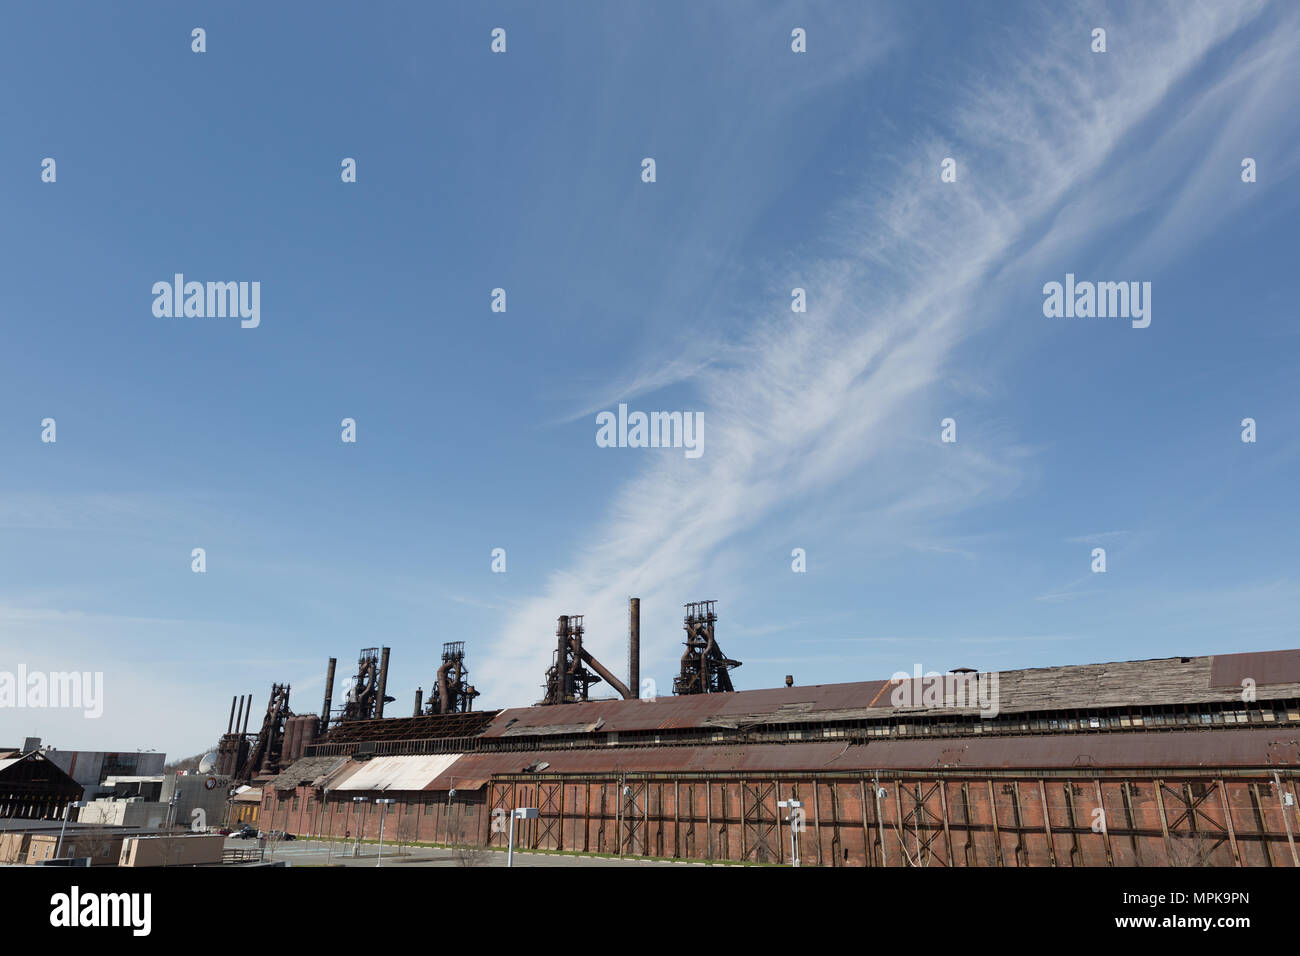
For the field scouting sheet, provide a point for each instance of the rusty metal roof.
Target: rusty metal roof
(307, 770)
(1162, 681)
(1252, 747)
(1270, 667)
(667, 713)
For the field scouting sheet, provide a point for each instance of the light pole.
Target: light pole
(384, 802)
(519, 813)
(356, 844)
(58, 850)
(795, 820)
(880, 792)
(328, 813)
(171, 808)
(627, 793)
(451, 792)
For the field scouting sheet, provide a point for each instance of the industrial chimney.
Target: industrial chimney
(383, 683)
(329, 697)
(634, 646)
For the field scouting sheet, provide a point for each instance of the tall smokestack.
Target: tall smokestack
(634, 646)
(240, 719)
(419, 699)
(383, 682)
(566, 684)
(230, 724)
(248, 711)
(329, 697)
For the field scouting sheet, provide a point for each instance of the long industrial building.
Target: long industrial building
(1184, 761)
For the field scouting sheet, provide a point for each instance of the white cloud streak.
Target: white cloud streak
(820, 394)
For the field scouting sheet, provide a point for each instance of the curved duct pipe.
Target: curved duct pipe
(610, 679)
(444, 687)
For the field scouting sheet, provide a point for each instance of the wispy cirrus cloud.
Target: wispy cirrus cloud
(820, 396)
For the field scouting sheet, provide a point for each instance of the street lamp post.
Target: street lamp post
(384, 802)
(328, 814)
(58, 850)
(356, 844)
(519, 813)
(171, 808)
(451, 792)
(627, 793)
(880, 793)
(796, 822)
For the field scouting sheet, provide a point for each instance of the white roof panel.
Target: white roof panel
(413, 772)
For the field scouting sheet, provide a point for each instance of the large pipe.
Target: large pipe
(634, 646)
(610, 679)
(444, 688)
(329, 697)
(230, 724)
(419, 701)
(383, 683)
(240, 719)
(248, 712)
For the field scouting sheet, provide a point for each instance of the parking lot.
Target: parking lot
(341, 853)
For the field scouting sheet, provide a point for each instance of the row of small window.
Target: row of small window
(430, 806)
(1210, 718)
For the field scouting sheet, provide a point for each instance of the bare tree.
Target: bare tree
(97, 844)
(170, 845)
(272, 841)
(1191, 849)
(407, 826)
(465, 851)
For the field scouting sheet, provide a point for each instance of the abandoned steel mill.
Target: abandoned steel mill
(1179, 761)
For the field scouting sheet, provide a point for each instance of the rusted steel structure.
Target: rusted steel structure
(573, 668)
(232, 749)
(1042, 767)
(281, 739)
(265, 750)
(453, 693)
(704, 668)
(367, 693)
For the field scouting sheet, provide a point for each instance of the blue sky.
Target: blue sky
(476, 429)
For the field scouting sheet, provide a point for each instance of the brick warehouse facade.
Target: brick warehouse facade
(1068, 772)
(1202, 819)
